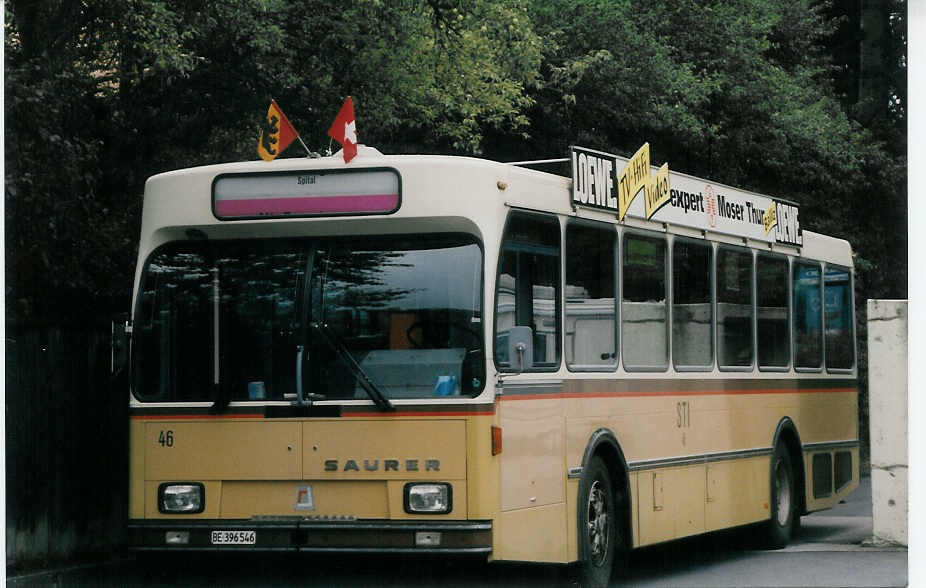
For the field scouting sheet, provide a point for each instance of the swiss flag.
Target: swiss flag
(344, 130)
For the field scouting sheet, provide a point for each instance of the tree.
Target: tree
(129, 88)
(747, 93)
(740, 92)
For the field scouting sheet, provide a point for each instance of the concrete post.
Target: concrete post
(887, 400)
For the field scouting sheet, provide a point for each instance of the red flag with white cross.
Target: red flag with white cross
(344, 130)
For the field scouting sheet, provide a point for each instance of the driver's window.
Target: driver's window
(528, 288)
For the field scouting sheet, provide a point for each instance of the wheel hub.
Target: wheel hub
(783, 504)
(598, 526)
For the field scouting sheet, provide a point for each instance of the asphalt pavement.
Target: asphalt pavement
(834, 548)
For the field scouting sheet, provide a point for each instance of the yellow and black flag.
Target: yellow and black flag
(275, 134)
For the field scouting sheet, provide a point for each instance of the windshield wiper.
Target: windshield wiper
(340, 349)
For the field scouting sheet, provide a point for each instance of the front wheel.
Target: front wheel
(597, 526)
(783, 504)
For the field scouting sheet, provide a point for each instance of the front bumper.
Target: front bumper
(316, 536)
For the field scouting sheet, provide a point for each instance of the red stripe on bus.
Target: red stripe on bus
(419, 414)
(168, 417)
(636, 394)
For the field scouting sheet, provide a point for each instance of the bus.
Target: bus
(420, 354)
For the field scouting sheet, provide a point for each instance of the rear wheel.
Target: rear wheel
(783, 504)
(597, 525)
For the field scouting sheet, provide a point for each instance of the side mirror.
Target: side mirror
(120, 335)
(521, 348)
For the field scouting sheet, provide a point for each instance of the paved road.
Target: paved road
(831, 550)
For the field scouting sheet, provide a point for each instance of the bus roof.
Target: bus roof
(469, 194)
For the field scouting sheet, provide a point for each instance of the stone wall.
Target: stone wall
(887, 393)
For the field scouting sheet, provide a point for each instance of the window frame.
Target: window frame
(804, 369)
(615, 269)
(851, 272)
(667, 269)
(558, 299)
(306, 244)
(712, 299)
(752, 304)
(789, 319)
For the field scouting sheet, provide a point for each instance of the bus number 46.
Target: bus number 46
(166, 438)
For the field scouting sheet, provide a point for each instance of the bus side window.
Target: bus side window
(644, 315)
(837, 301)
(772, 311)
(528, 288)
(692, 316)
(591, 331)
(808, 318)
(734, 307)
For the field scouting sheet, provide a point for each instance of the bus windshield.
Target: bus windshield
(242, 318)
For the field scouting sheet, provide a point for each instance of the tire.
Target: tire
(783, 502)
(598, 529)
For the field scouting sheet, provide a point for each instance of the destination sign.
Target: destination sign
(609, 182)
(305, 193)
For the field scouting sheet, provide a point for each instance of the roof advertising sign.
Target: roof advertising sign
(608, 182)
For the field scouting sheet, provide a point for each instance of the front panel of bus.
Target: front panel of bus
(306, 386)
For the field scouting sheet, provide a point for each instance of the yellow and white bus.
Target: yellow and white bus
(431, 354)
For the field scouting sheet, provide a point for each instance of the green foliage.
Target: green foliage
(128, 88)
(424, 76)
(742, 92)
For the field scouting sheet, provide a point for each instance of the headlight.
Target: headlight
(428, 498)
(181, 498)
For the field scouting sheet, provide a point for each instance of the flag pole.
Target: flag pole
(308, 152)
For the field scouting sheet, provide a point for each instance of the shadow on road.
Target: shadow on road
(302, 570)
(694, 552)
(387, 571)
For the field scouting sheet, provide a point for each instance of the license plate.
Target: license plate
(234, 537)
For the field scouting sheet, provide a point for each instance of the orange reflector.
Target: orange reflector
(496, 439)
